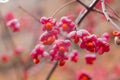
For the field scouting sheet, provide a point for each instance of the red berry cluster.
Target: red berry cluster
(91, 43)
(53, 30)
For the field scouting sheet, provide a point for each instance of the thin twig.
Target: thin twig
(100, 12)
(115, 12)
(107, 15)
(51, 71)
(97, 10)
(59, 9)
(20, 7)
(86, 12)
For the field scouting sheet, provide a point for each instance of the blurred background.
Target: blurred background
(15, 48)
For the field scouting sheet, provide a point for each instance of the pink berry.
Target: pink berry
(66, 24)
(47, 38)
(102, 46)
(12, 22)
(89, 43)
(90, 58)
(48, 23)
(4, 58)
(18, 50)
(106, 36)
(74, 56)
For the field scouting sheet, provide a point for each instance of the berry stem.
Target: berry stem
(20, 7)
(52, 70)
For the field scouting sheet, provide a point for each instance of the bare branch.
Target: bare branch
(86, 12)
(107, 15)
(51, 71)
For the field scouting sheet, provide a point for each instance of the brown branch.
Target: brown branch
(86, 12)
(98, 11)
(83, 4)
(51, 71)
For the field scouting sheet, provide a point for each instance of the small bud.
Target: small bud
(116, 33)
(36, 60)
(90, 58)
(5, 58)
(18, 51)
(117, 40)
(106, 36)
(84, 76)
(74, 56)
(62, 63)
